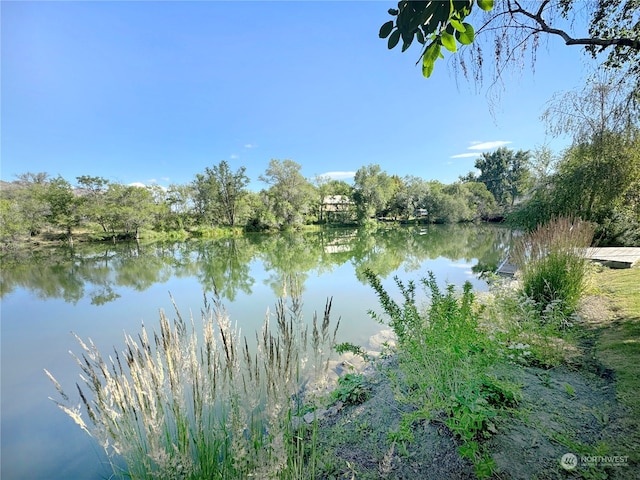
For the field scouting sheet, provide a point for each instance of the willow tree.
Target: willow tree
(597, 178)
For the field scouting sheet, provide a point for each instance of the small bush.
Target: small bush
(352, 389)
(446, 360)
(553, 265)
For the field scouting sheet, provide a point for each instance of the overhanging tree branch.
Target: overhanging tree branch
(568, 39)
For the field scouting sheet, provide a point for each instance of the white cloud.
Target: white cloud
(489, 145)
(250, 145)
(150, 183)
(481, 146)
(339, 175)
(233, 156)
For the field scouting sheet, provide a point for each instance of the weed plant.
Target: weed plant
(189, 405)
(352, 389)
(553, 265)
(526, 335)
(446, 363)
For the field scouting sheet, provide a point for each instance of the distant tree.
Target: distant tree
(30, 178)
(93, 201)
(131, 208)
(321, 185)
(261, 216)
(289, 195)
(179, 199)
(408, 197)
(468, 177)
(11, 225)
(392, 209)
(542, 164)
(505, 173)
(340, 187)
(434, 202)
(231, 189)
(64, 206)
(372, 190)
(29, 203)
(218, 193)
(480, 201)
(518, 176)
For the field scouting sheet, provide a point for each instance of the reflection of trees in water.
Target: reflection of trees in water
(92, 271)
(288, 256)
(224, 266)
(99, 272)
(411, 247)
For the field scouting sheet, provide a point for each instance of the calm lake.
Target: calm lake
(101, 291)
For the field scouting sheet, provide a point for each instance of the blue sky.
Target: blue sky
(158, 91)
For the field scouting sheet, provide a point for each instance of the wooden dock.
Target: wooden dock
(612, 257)
(615, 257)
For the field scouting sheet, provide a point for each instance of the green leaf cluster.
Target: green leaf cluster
(434, 24)
(352, 389)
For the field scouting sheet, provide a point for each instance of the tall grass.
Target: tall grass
(553, 265)
(193, 404)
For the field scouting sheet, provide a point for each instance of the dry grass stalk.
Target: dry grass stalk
(553, 266)
(562, 234)
(189, 405)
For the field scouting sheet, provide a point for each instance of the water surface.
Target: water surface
(100, 291)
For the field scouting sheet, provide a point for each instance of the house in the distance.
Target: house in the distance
(336, 208)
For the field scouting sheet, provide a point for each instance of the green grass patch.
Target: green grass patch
(618, 347)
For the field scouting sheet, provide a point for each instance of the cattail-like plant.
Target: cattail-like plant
(190, 404)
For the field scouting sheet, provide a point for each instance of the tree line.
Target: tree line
(596, 179)
(220, 197)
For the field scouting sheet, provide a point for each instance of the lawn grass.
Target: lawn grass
(618, 347)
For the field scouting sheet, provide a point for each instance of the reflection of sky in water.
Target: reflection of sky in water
(40, 441)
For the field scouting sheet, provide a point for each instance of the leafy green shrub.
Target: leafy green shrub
(553, 265)
(352, 389)
(441, 350)
(446, 362)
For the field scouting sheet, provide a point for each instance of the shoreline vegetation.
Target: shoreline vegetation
(523, 189)
(53, 238)
(534, 379)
